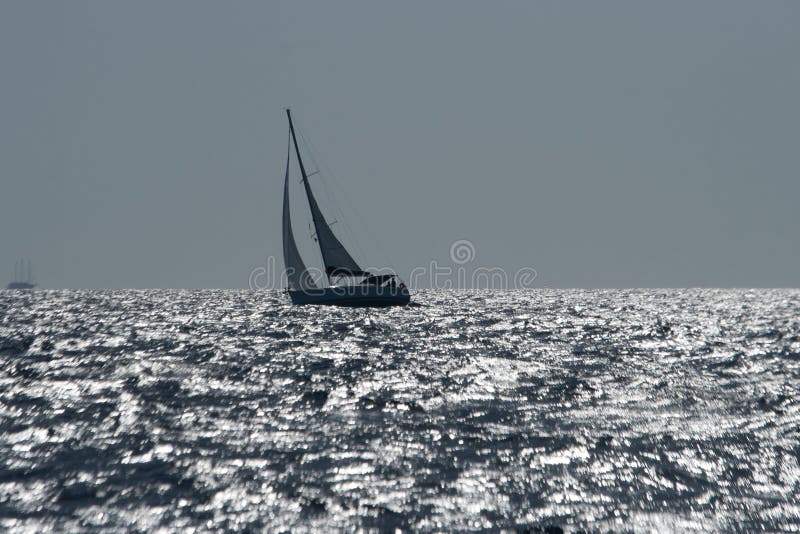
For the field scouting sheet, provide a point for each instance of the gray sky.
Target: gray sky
(605, 144)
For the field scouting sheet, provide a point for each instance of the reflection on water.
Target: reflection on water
(664, 410)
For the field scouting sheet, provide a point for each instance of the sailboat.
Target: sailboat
(23, 276)
(348, 283)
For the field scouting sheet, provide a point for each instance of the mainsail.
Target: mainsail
(299, 278)
(335, 257)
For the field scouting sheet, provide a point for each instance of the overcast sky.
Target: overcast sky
(605, 144)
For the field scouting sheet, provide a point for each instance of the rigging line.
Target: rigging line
(305, 209)
(311, 149)
(332, 198)
(336, 181)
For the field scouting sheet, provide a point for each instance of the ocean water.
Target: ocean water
(662, 410)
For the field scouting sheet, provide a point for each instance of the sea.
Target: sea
(534, 411)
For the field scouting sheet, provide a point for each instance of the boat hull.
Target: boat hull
(353, 296)
(20, 285)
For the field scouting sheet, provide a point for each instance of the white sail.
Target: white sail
(296, 272)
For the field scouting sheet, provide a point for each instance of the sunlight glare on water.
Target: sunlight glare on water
(643, 410)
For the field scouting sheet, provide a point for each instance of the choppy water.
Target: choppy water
(621, 410)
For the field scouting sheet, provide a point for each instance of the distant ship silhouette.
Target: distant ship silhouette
(23, 276)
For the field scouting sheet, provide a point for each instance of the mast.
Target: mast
(311, 202)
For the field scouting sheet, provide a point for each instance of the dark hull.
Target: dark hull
(353, 296)
(19, 285)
